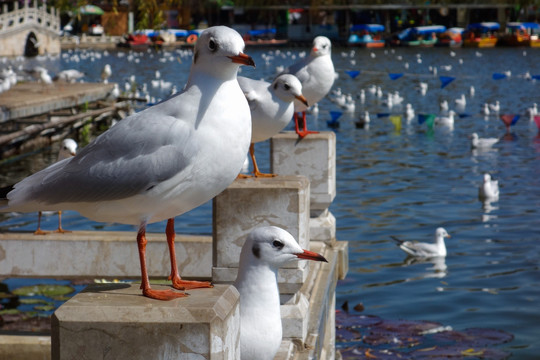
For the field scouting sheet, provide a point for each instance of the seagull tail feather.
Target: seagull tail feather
(398, 241)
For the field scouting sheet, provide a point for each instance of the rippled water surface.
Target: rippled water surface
(403, 183)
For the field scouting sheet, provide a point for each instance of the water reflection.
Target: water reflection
(437, 270)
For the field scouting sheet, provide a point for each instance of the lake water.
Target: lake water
(402, 183)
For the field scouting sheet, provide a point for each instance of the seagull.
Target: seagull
(423, 87)
(68, 148)
(533, 110)
(420, 249)
(115, 92)
(485, 109)
(446, 120)
(443, 105)
(160, 162)
(495, 107)
(461, 102)
(349, 105)
(482, 143)
(70, 75)
(106, 73)
(489, 190)
(316, 73)
(271, 106)
(363, 121)
(265, 250)
(409, 112)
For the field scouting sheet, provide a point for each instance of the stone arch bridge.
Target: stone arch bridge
(29, 31)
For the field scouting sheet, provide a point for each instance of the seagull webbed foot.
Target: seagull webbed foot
(163, 294)
(180, 284)
(41, 232)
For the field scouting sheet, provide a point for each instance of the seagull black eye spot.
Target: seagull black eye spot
(277, 244)
(212, 45)
(286, 86)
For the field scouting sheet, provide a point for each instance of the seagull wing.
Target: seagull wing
(122, 162)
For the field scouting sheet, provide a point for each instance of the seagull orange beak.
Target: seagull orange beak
(310, 255)
(242, 59)
(302, 99)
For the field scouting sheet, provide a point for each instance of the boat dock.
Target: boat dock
(33, 113)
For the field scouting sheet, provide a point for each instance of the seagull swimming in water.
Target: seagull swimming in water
(482, 143)
(421, 249)
(489, 189)
(264, 252)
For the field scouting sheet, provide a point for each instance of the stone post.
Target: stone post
(314, 157)
(249, 203)
(114, 321)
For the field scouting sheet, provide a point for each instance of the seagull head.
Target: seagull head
(219, 49)
(441, 233)
(287, 87)
(321, 46)
(67, 149)
(487, 178)
(274, 247)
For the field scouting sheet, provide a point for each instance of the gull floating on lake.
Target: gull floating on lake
(496, 107)
(316, 73)
(446, 120)
(264, 252)
(489, 189)
(160, 162)
(271, 106)
(482, 143)
(421, 249)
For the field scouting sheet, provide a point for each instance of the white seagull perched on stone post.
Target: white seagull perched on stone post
(161, 162)
(271, 106)
(316, 73)
(264, 252)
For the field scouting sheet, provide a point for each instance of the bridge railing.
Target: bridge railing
(18, 18)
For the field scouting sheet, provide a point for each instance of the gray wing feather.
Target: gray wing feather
(122, 162)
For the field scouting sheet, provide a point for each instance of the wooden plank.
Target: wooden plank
(32, 98)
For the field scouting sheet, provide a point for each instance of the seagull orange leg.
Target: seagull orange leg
(177, 282)
(38, 230)
(256, 171)
(145, 282)
(60, 230)
(304, 132)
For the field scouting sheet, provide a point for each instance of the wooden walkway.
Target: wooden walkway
(34, 114)
(32, 98)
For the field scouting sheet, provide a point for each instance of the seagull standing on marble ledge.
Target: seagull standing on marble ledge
(161, 162)
(272, 108)
(264, 252)
(316, 73)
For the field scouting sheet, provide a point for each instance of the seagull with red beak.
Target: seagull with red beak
(272, 108)
(264, 252)
(161, 162)
(316, 73)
